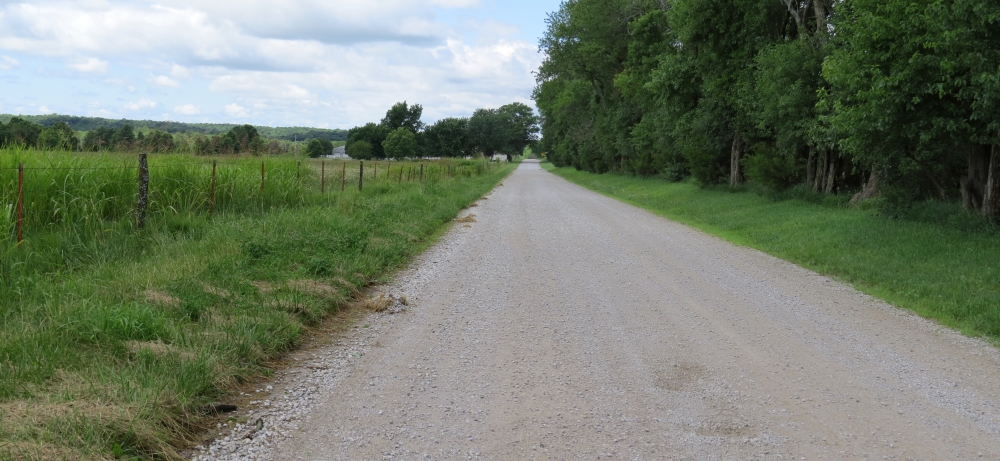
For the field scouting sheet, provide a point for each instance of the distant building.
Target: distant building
(338, 152)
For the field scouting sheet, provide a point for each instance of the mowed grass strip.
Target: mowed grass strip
(939, 270)
(118, 349)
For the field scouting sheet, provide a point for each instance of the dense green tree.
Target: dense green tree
(98, 139)
(243, 139)
(360, 150)
(448, 137)
(400, 143)
(158, 141)
(21, 132)
(372, 133)
(400, 115)
(123, 139)
(58, 137)
(319, 147)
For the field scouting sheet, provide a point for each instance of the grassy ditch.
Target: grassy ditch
(937, 269)
(114, 342)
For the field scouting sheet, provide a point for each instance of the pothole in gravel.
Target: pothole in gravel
(681, 376)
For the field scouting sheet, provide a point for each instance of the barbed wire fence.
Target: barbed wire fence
(28, 191)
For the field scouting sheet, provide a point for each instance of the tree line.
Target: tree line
(400, 134)
(78, 123)
(895, 99)
(237, 140)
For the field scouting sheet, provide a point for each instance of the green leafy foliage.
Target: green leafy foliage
(400, 143)
(319, 147)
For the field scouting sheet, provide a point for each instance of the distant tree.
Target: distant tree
(58, 137)
(448, 137)
(158, 141)
(371, 133)
(486, 131)
(520, 126)
(319, 147)
(22, 133)
(403, 116)
(124, 138)
(98, 139)
(243, 138)
(360, 150)
(400, 143)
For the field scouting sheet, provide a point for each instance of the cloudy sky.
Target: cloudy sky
(333, 63)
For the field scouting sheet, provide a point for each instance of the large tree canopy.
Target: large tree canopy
(900, 96)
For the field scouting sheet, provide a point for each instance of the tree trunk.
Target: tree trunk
(821, 166)
(991, 191)
(736, 161)
(831, 177)
(811, 167)
(974, 183)
(820, 9)
(869, 191)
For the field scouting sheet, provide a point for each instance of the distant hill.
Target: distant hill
(292, 133)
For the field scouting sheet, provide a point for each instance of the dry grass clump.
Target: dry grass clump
(161, 298)
(158, 348)
(466, 219)
(263, 287)
(313, 287)
(379, 304)
(33, 450)
(222, 293)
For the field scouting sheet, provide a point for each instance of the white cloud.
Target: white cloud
(294, 62)
(90, 65)
(44, 110)
(188, 109)
(8, 63)
(237, 111)
(163, 80)
(181, 72)
(140, 105)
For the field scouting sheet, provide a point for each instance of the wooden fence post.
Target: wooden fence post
(211, 192)
(322, 176)
(143, 192)
(20, 203)
(361, 175)
(421, 172)
(343, 177)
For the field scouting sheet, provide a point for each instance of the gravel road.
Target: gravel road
(566, 325)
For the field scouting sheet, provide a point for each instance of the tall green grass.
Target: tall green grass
(944, 267)
(113, 340)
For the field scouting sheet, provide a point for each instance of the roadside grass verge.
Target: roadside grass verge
(115, 343)
(938, 269)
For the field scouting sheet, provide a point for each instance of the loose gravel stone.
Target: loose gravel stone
(565, 325)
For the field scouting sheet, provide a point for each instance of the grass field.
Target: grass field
(946, 268)
(113, 341)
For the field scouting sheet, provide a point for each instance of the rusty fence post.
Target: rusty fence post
(361, 175)
(211, 192)
(140, 211)
(20, 203)
(343, 177)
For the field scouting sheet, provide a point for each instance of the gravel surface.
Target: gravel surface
(566, 325)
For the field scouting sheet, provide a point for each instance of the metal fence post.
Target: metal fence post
(20, 203)
(143, 192)
(211, 192)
